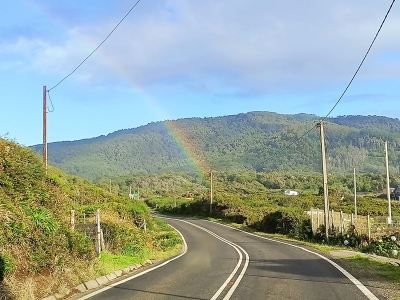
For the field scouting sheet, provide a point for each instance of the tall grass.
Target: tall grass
(39, 254)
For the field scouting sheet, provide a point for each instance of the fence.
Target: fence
(341, 222)
(89, 224)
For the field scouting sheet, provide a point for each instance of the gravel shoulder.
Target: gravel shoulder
(367, 273)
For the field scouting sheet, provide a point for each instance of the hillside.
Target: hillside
(40, 253)
(255, 141)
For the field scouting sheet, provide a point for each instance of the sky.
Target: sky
(172, 59)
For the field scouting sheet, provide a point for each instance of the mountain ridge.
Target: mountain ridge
(241, 142)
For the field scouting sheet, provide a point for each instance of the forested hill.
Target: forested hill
(260, 141)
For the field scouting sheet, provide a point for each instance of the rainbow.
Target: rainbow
(196, 158)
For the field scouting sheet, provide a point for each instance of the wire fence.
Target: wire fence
(89, 224)
(341, 222)
(85, 222)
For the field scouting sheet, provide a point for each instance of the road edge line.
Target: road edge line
(141, 273)
(354, 280)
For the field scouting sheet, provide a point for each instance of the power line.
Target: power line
(365, 56)
(52, 106)
(351, 81)
(97, 46)
(300, 137)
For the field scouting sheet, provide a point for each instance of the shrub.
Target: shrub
(80, 245)
(385, 246)
(167, 240)
(43, 219)
(7, 265)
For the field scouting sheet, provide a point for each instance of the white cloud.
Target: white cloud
(254, 46)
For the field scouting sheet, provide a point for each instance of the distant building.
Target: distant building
(291, 193)
(384, 191)
(395, 194)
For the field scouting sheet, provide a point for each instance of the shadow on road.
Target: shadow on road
(175, 296)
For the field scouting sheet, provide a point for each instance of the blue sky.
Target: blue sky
(173, 59)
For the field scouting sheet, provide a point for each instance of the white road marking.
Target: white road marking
(185, 247)
(354, 280)
(240, 276)
(222, 287)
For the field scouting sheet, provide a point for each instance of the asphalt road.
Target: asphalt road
(225, 263)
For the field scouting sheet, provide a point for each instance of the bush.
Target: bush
(80, 245)
(167, 240)
(7, 265)
(384, 246)
(43, 219)
(119, 237)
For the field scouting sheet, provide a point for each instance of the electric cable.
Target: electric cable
(52, 106)
(365, 56)
(96, 47)
(351, 81)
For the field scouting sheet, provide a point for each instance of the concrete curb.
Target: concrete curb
(91, 284)
(111, 276)
(97, 282)
(102, 280)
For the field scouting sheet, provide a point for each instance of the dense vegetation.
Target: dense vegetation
(246, 184)
(256, 141)
(257, 201)
(39, 253)
(258, 198)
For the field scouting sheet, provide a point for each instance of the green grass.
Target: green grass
(376, 267)
(109, 262)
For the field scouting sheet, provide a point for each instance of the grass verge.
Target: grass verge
(373, 266)
(109, 262)
(320, 247)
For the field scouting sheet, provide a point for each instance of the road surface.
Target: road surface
(224, 263)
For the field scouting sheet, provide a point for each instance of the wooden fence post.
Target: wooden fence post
(98, 233)
(312, 220)
(352, 219)
(341, 222)
(72, 219)
(333, 219)
(369, 227)
(317, 218)
(103, 247)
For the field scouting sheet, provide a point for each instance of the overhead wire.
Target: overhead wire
(52, 106)
(116, 26)
(359, 67)
(351, 81)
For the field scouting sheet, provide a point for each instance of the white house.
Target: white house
(291, 193)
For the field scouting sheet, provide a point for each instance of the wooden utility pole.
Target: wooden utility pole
(211, 191)
(355, 194)
(173, 184)
(44, 129)
(389, 221)
(325, 180)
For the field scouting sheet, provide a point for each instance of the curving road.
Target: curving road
(225, 263)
